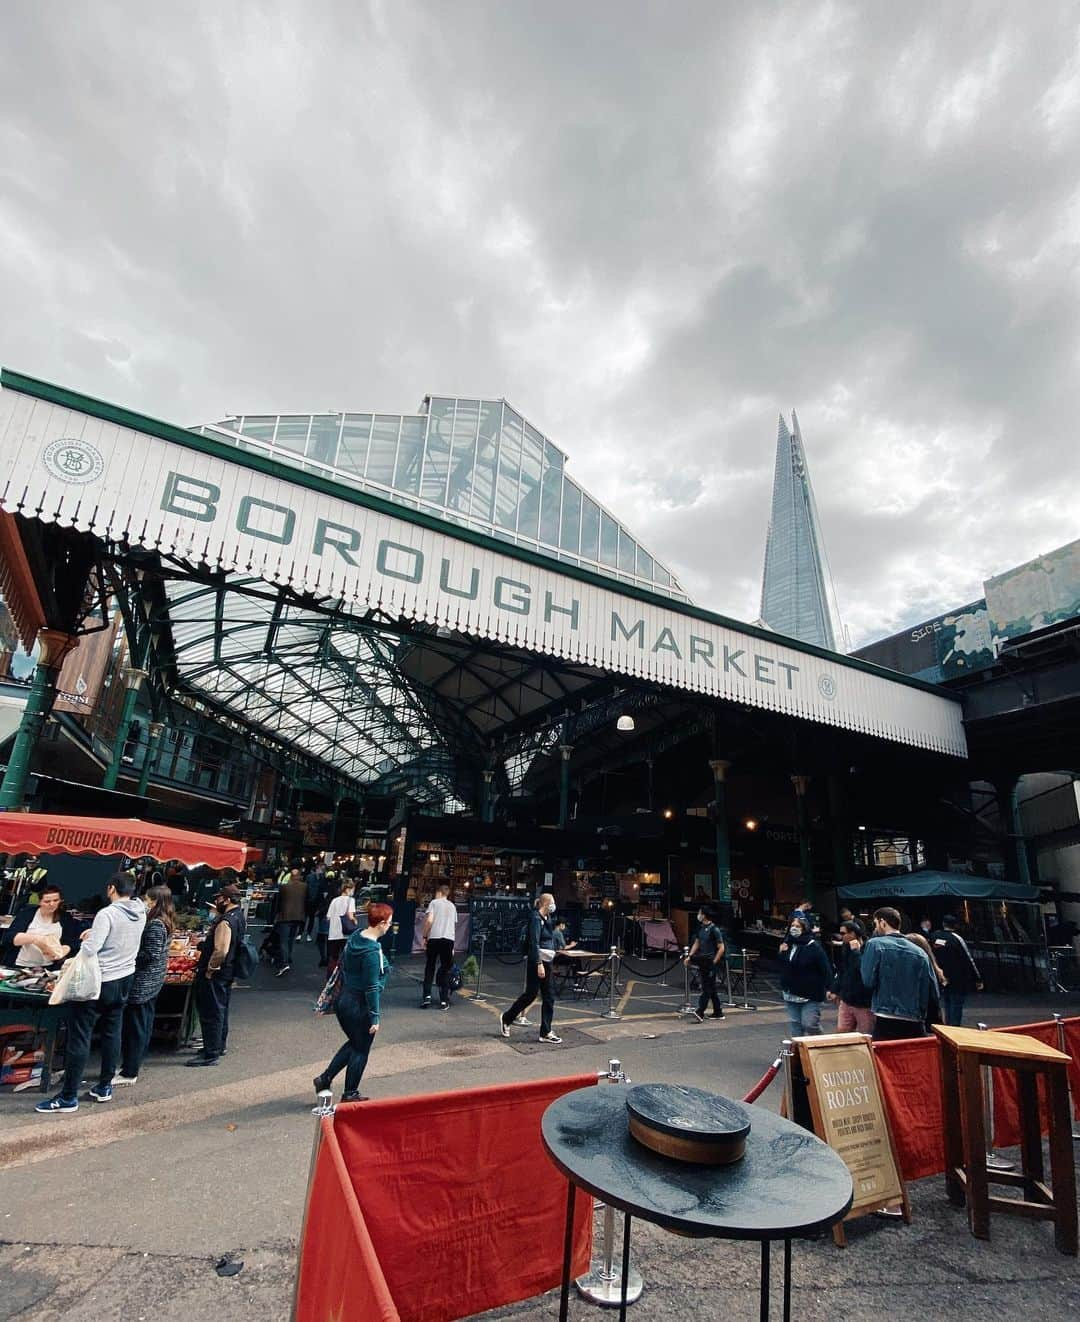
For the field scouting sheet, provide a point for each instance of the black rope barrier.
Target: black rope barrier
(640, 973)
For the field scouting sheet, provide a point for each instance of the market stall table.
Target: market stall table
(788, 1184)
(18, 1007)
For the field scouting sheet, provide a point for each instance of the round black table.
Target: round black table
(788, 1184)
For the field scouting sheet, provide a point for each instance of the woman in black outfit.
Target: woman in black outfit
(805, 975)
(150, 965)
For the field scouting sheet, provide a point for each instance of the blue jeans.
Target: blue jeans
(952, 1003)
(803, 1020)
(286, 935)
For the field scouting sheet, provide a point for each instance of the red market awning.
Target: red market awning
(55, 833)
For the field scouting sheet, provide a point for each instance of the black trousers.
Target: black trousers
(108, 1010)
(535, 986)
(352, 1056)
(893, 1030)
(135, 1036)
(212, 997)
(441, 949)
(707, 971)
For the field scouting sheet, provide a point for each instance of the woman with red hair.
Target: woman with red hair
(363, 973)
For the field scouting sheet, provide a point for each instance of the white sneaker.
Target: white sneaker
(504, 1027)
(522, 1022)
(122, 1080)
(550, 1037)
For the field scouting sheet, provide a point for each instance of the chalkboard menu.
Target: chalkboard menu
(503, 919)
(592, 931)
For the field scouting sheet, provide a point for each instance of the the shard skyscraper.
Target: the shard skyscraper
(796, 593)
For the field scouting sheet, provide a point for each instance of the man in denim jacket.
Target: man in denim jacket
(898, 974)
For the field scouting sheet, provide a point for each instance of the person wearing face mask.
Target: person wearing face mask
(805, 975)
(706, 954)
(215, 973)
(539, 956)
(853, 1013)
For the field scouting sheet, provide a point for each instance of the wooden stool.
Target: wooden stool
(964, 1052)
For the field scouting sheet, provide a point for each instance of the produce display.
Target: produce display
(183, 958)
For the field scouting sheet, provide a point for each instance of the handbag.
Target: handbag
(328, 997)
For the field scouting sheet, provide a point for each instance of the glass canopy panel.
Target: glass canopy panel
(323, 438)
(410, 456)
(487, 458)
(570, 534)
(259, 428)
(551, 498)
(532, 465)
(292, 433)
(590, 529)
(508, 490)
(382, 456)
(355, 434)
(437, 458)
(609, 540)
(463, 455)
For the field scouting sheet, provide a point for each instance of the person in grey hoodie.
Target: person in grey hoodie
(114, 938)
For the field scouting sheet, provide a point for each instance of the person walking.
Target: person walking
(215, 972)
(292, 906)
(150, 965)
(314, 882)
(341, 923)
(805, 974)
(898, 976)
(439, 931)
(959, 967)
(364, 970)
(853, 1013)
(539, 956)
(114, 938)
(938, 982)
(706, 955)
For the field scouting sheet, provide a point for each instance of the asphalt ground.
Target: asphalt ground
(123, 1210)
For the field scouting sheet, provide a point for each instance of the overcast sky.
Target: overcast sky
(650, 227)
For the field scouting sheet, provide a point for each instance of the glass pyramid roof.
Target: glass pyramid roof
(475, 462)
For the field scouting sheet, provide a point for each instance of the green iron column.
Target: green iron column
(719, 768)
(487, 803)
(153, 738)
(54, 646)
(133, 677)
(339, 799)
(801, 785)
(565, 750)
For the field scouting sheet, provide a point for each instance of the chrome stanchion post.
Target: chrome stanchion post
(611, 1012)
(478, 995)
(730, 1002)
(993, 1161)
(686, 1007)
(325, 1103)
(603, 1284)
(1063, 1048)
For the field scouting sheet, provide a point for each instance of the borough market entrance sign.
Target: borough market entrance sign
(128, 479)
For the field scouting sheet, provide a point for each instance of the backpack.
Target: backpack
(246, 960)
(455, 978)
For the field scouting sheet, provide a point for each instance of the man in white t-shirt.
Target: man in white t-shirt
(440, 927)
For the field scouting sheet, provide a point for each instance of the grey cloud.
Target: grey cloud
(650, 228)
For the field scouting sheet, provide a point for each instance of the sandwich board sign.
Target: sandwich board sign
(847, 1109)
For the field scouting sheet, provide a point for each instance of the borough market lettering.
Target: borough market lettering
(133, 846)
(195, 499)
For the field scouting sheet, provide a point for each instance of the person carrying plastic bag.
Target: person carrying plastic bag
(112, 943)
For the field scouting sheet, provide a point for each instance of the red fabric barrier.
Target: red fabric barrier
(910, 1074)
(1072, 1048)
(340, 1279)
(466, 1211)
(1006, 1104)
